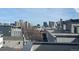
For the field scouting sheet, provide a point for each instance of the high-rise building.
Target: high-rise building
(26, 24)
(24, 27)
(45, 24)
(19, 23)
(38, 25)
(29, 25)
(51, 24)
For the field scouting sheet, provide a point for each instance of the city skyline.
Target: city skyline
(37, 15)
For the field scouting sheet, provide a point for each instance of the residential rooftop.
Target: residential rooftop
(12, 38)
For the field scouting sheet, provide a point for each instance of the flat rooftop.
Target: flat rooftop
(45, 46)
(12, 38)
(62, 34)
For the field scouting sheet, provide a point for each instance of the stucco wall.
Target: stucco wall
(13, 43)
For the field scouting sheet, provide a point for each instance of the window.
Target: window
(75, 29)
(64, 27)
(3, 42)
(18, 42)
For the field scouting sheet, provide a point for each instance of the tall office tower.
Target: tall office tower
(17, 24)
(51, 24)
(45, 24)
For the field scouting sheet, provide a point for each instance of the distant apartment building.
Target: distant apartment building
(68, 26)
(12, 24)
(19, 23)
(71, 25)
(51, 24)
(16, 32)
(27, 25)
(38, 25)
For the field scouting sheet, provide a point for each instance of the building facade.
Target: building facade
(45, 24)
(16, 32)
(51, 24)
(13, 42)
(1, 41)
(68, 26)
(71, 25)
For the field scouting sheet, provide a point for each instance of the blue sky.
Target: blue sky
(37, 15)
